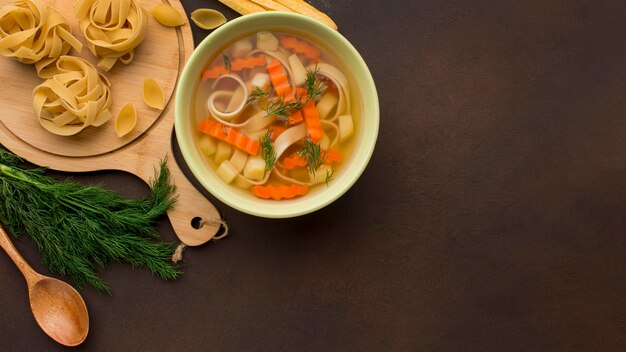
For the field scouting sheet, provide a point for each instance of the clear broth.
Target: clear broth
(200, 111)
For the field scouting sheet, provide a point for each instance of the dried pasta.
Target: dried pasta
(76, 97)
(243, 7)
(126, 120)
(33, 33)
(153, 94)
(208, 18)
(167, 15)
(112, 28)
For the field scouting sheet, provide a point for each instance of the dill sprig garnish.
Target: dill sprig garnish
(313, 155)
(330, 175)
(315, 87)
(282, 108)
(79, 229)
(268, 153)
(256, 95)
(226, 62)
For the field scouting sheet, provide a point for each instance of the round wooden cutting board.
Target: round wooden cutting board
(161, 56)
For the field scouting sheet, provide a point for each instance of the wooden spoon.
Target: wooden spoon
(58, 308)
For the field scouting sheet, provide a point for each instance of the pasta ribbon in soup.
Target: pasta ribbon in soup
(275, 116)
(33, 33)
(112, 28)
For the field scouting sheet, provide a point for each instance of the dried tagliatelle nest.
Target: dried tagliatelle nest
(112, 28)
(76, 97)
(33, 33)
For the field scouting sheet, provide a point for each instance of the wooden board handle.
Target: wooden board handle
(191, 204)
(196, 206)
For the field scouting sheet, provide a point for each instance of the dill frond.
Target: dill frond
(256, 95)
(330, 175)
(267, 151)
(315, 87)
(226, 62)
(313, 155)
(281, 108)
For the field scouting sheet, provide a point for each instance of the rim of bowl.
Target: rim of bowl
(210, 181)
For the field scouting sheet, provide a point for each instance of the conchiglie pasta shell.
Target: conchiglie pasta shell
(153, 94)
(126, 120)
(167, 15)
(208, 18)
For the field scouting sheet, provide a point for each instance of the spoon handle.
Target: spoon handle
(29, 274)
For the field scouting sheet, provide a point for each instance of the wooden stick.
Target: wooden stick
(244, 7)
(304, 8)
(272, 5)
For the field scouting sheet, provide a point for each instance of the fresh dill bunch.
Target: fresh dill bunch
(313, 155)
(330, 175)
(256, 95)
(79, 229)
(226, 62)
(267, 151)
(315, 87)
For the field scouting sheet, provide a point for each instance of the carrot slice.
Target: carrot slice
(276, 131)
(295, 118)
(294, 161)
(291, 162)
(280, 82)
(312, 121)
(300, 47)
(249, 62)
(230, 135)
(332, 156)
(279, 192)
(236, 65)
(298, 116)
(301, 92)
(214, 72)
(279, 78)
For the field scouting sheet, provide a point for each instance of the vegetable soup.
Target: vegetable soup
(274, 116)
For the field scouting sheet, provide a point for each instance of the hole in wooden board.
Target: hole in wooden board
(196, 223)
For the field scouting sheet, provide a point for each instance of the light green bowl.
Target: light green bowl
(365, 96)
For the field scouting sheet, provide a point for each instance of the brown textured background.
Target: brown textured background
(491, 217)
